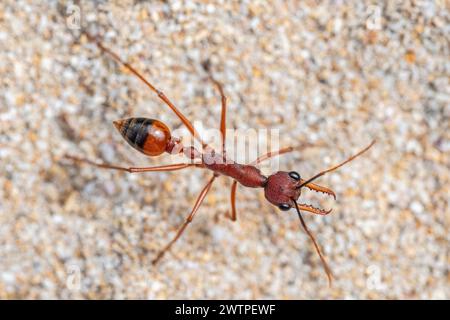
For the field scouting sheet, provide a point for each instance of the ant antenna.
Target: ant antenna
(324, 263)
(337, 166)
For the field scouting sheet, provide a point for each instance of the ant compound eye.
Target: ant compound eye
(294, 175)
(284, 207)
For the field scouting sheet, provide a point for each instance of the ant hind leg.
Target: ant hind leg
(170, 167)
(158, 92)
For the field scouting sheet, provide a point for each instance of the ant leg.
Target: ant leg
(170, 167)
(233, 201)
(272, 154)
(223, 117)
(159, 93)
(188, 220)
(280, 152)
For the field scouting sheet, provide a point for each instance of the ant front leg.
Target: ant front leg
(272, 154)
(170, 167)
(267, 156)
(233, 216)
(188, 220)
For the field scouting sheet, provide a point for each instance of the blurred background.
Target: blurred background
(335, 74)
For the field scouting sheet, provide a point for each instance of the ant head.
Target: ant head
(282, 188)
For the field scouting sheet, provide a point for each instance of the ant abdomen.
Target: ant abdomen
(148, 136)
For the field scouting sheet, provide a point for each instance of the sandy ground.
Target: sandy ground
(333, 73)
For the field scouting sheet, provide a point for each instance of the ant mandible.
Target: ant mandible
(153, 138)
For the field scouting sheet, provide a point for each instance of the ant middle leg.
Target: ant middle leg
(170, 167)
(223, 117)
(188, 220)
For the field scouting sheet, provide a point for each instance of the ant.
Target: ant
(153, 138)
